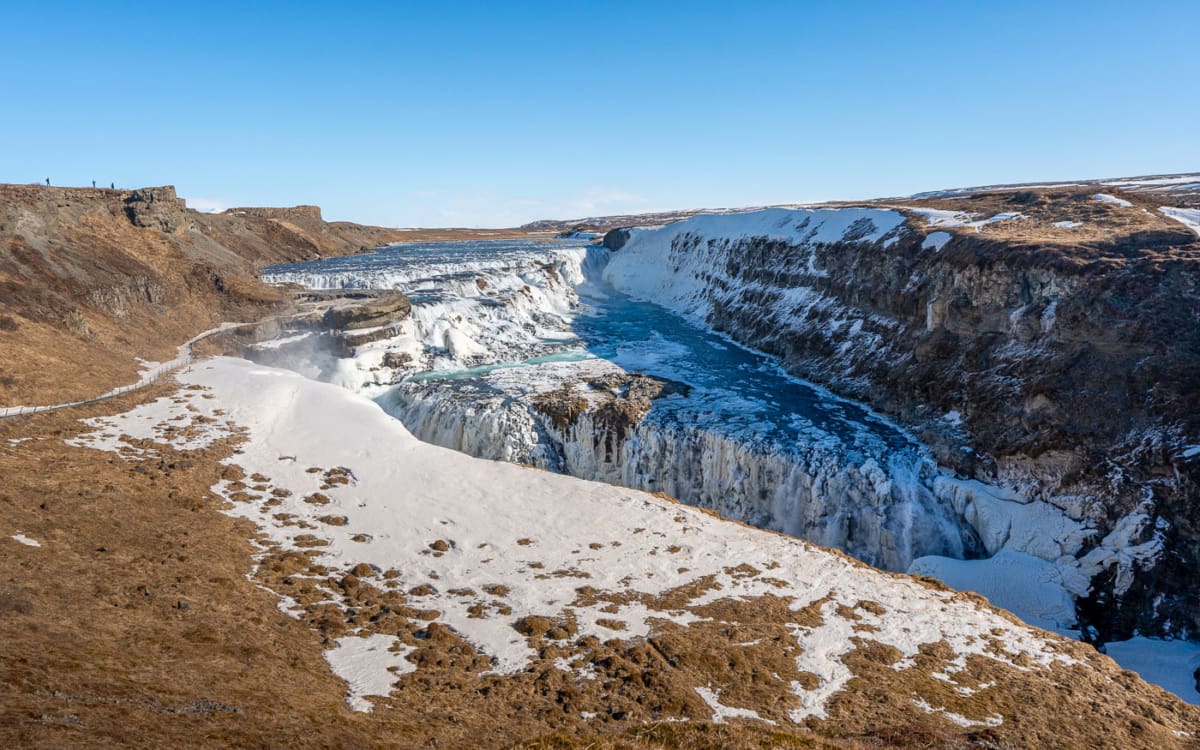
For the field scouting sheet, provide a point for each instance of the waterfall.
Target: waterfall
(881, 510)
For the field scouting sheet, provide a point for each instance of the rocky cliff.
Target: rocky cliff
(91, 279)
(1046, 340)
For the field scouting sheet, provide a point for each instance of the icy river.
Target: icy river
(497, 323)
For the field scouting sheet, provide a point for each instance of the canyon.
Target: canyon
(956, 386)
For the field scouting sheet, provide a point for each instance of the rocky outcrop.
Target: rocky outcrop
(369, 311)
(156, 208)
(615, 239)
(618, 402)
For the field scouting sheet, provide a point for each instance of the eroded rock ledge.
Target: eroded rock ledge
(617, 401)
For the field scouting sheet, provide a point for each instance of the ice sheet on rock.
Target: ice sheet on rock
(1016, 581)
(936, 241)
(1170, 664)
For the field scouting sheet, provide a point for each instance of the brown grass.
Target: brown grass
(1103, 226)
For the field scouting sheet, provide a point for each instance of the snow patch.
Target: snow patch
(369, 665)
(959, 719)
(1112, 200)
(500, 519)
(1189, 217)
(1169, 664)
(26, 540)
(1016, 581)
(721, 712)
(936, 241)
(936, 217)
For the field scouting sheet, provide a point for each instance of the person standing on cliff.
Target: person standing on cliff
(93, 184)
(47, 182)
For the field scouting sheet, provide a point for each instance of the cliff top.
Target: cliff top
(1042, 203)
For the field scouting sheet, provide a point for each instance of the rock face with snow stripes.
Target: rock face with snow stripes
(1068, 370)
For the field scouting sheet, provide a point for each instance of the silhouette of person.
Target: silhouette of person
(93, 183)
(47, 182)
(112, 186)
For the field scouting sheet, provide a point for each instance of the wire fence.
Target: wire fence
(147, 378)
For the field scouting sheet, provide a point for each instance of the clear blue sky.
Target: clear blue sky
(496, 113)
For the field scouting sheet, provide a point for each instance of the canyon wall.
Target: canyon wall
(1068, 371)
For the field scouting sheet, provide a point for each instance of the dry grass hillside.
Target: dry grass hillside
(91, 279)
(1067, 228)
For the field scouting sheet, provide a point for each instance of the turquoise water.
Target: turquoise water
(735, 390)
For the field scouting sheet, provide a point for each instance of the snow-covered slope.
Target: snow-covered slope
(854, 493)
(485, 548)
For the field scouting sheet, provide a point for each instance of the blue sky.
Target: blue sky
(493, 114)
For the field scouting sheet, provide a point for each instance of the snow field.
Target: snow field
(497, 520)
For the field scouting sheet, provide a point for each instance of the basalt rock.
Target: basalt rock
(617, 401)
(615, 239)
